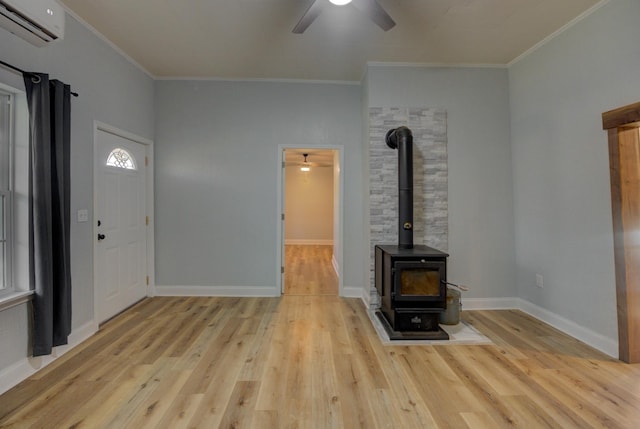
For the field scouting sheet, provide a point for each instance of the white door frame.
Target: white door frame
(338, 214)
(148, 144)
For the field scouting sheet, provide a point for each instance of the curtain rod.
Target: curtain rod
(16, 69)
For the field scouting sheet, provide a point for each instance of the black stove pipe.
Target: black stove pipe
(401, 138)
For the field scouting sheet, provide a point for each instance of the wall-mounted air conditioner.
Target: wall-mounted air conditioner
(36, 21)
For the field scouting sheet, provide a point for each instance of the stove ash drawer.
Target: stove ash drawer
(416, 320)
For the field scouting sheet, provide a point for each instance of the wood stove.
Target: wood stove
(411, 280)
(413, 291)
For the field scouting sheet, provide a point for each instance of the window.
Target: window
(120, 158)
(6, 152)
(14, 198)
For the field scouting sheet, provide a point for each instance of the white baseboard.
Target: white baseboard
(351, 292)
(370, 298)
(336, 266)
(236, 291)
(23, 369)
(597, 341)
(604, 344)
(83, 333)
(308, 242)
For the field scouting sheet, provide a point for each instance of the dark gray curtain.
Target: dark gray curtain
(49, 210)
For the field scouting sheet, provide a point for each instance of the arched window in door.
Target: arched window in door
(120, 158)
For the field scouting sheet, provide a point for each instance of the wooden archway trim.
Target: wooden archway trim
(622, 117)
(622, 126)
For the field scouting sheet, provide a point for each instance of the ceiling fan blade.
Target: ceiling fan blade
(308, 17)
(375, 12)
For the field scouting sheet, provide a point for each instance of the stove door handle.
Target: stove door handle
(461, 287)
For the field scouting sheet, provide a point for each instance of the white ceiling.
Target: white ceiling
(252, 39)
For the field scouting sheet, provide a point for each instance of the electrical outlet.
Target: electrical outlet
(83, 215)
(539, 280)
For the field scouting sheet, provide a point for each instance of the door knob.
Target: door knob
(101, 237)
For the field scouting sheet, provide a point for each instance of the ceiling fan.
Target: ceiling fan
(309, 158)
(371, 8)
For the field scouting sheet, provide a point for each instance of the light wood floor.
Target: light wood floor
(308, 270)
(316, 362)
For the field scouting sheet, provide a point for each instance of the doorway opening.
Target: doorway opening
(311, 217)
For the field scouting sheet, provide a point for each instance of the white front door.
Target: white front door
(121, 249)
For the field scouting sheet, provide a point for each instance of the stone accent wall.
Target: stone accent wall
(430, 172)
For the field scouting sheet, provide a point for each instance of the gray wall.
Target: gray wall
(560, 163)
(216, 175)
(479, 161)
(112, 91)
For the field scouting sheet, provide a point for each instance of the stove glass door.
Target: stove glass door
(420, 281)
(415, 280)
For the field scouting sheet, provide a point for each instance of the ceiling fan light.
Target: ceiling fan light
(340, 2)
(305, 165)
